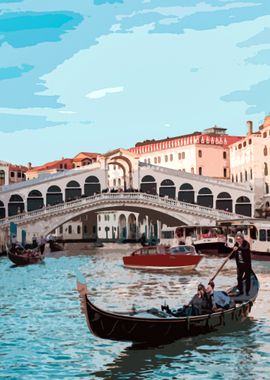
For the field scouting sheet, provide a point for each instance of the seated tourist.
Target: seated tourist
(217, 299)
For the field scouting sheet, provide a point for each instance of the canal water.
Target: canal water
(44, 336)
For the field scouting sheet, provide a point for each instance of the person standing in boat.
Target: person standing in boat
(42, 243)
(243, 262)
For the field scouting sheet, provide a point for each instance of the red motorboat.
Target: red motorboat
(162, 257)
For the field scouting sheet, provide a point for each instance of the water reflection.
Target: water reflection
(204, 356)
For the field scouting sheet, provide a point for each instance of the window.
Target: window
(224, 155)
(85, 229)
(166, 158)
(241, 177)
(268, 235)
(19, 175)
(155, 160)
(179, 156)
(61, 230)
(250, 141)
(245, 175)
(61, 166)
(262, 235)
(265, 169)
(200, 170)
(183, 155)
(159, 159)
(70, 229)
(200, 153)
(171, 157)
(266, 188)
(119, 181)
(236, 178)
(65, 166)
(225, 172)
(265, 151)
(12, 174)
(251, 174)
(78, 230)
(232, 178)
(114, 182)
(264, 135)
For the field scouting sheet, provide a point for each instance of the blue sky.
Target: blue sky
(94, 75)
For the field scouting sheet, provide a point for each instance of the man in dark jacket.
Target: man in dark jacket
(243, 262)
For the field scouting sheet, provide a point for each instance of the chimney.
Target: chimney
(29, 165)
(249, 127)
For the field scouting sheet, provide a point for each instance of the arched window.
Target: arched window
(205, 197)
(186, 193)
(265, 150)
(91, 186)
(148, 185)
(78, 230)
(70, 229)
(199, 153)
(266, 188)
(167, 188)
(224, 201)
(35, 200)
(73, 191)
(54, 196)
(15, 205)
(243, 206)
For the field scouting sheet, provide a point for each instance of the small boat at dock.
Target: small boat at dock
(162, 257)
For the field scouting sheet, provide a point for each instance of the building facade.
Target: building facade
(250, 161)
(11, 173)
(204, 153)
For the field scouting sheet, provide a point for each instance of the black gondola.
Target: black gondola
(158, 328)
(24, 258)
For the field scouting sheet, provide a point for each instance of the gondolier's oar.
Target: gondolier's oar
(224, 262)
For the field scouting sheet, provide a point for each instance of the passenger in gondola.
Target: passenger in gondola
(198, 305)
(217, 299)
(243, 262)
(34, 241)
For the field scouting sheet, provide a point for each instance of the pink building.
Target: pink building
(204, 153)
(11, 173)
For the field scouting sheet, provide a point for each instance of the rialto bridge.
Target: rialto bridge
(118, 181)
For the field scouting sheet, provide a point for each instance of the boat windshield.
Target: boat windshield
(182, 249)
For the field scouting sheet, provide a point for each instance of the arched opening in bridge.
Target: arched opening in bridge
(34, 200)
(243, 206)
(224, 202)
(167, 188)
(132, 230)
(119, 181)
(2, 210)
(118, 158)
(2, 177)
(186, 193)
(91, 186)
(205, 197)
(15, 205)
(72, 191)
(148, 185)
(54, 196)
(122, 227)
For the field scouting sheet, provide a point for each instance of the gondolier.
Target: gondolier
(243, 262)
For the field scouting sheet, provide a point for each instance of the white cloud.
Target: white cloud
(104, 91)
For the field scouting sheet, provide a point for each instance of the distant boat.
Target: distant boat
(162, 257)
(25, 257)
(158, 327)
